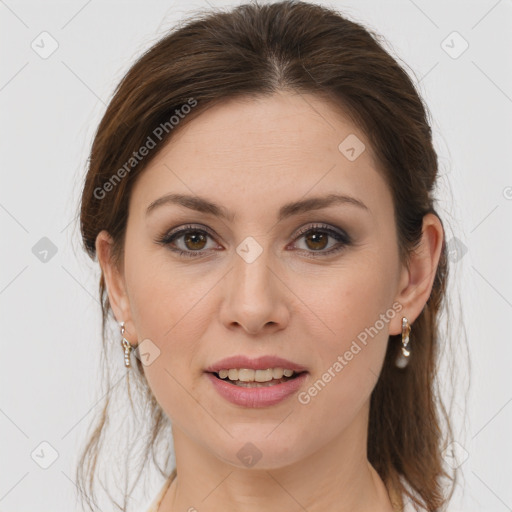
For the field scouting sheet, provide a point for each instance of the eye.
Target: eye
(193, 241)
(316, 239)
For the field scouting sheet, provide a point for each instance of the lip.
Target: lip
(259, 363)
(257, 396)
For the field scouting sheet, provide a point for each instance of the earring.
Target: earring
(126, 346)
(403, 359)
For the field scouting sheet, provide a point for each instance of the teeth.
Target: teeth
(248, 375)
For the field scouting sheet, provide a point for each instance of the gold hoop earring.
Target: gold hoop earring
(126, 347)
(403, 359)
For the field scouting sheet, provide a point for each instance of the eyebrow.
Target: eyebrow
(206, 206)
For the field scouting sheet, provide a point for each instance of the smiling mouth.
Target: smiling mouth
(254, 384)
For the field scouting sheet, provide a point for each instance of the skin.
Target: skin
(251, 157)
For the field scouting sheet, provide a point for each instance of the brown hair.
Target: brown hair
(257, 50)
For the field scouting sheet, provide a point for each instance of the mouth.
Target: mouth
(255, 384)
(241, 387)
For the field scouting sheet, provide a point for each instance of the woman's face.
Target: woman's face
(319, 287)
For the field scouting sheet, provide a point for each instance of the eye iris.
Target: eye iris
(194, 237)
(317, 237)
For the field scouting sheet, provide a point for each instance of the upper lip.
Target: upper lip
(259, 363)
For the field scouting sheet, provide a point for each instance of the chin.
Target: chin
(258, 450)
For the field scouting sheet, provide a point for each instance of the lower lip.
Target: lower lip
(257, 396)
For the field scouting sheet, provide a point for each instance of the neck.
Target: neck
(336, 478)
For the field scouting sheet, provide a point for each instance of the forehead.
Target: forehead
(283, 125)
(254, 151)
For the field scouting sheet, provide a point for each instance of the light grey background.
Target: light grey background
(50, 323)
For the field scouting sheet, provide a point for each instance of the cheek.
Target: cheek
(349, 313)
(170, 313)
(163, 294)
(343, 300)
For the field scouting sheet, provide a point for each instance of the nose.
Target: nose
(255, 296)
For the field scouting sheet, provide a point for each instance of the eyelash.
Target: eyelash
(339, 236)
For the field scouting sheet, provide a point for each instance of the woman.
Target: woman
(259, 199)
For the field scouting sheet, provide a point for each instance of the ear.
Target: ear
(416, 281)
(115, 282)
